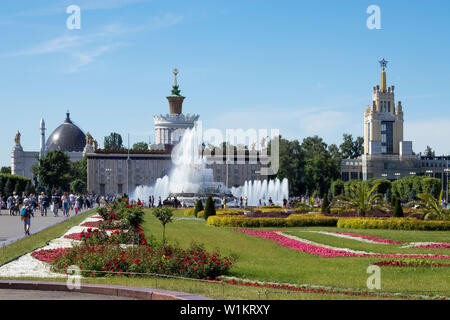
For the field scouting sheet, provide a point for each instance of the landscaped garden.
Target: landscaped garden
(275, 253)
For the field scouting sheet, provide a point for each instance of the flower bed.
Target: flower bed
(310, 247)
(393, 223)
(48, 255)
(412, 263)
(103, 260)
(371, 238)
(429, 245)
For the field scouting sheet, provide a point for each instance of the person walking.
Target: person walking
(25, 215)
(56, 199)
(43, 203)
(71, 200)
(245, 202)
(10, 202)
(16, 202)
(65, 204)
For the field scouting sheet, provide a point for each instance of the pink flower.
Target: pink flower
(327, 252)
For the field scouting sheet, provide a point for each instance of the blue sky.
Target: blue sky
(303, 67)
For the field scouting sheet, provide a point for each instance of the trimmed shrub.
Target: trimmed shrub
(393, 224)
(325, 205)
(190, 212)
(210, 209)
(294, 220)
(198, 207)
(398, 210)
(201, 214)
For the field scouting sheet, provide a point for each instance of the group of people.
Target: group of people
(65, 202)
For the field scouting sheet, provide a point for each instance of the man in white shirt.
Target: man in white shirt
(71, 201)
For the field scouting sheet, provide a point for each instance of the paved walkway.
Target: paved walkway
(17, 294)
(11, 227)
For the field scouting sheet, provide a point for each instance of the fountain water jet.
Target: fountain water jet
(190, 180)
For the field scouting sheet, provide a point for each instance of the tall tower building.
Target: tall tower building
(383, 122)
(42, 145)
(386, 154)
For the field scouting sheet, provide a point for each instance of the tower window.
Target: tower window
(389, 106)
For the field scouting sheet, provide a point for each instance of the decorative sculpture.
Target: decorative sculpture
(17, 138)
(89, 139)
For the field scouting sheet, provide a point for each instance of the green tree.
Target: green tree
(320, 169)
(79, 169)
(433, 207)
(29, 189)
(335, 154)
(78, 186)
(164, 215)
(361, 198)
(337, 188)
(9, 187)
(210, 209)
(18, 188)
(198, 207)
(140, 146)
(429, 153)
(398, 210)
(54, 170)
(351, 149)
(291, 165)
(5, 170)
(325, 205)
(113, 142)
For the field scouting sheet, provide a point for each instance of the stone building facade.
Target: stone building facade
(386, 154)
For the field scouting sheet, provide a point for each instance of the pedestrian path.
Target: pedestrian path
(11, 227)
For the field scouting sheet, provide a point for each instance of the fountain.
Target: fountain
(190, 180)
(255, 191)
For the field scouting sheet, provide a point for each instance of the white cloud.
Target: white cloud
(86, 48)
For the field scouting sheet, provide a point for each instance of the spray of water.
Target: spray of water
(190, 175)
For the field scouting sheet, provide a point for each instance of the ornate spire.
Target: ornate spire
(383, 64)
(175, 90)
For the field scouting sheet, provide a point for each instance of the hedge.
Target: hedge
(14, 180)
(294, 220)
(393, 224)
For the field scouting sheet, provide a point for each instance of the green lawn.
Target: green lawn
(264, 260)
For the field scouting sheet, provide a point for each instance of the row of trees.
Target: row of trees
(115, 142)
(407, 188)
(314, 165)
(12, 183)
